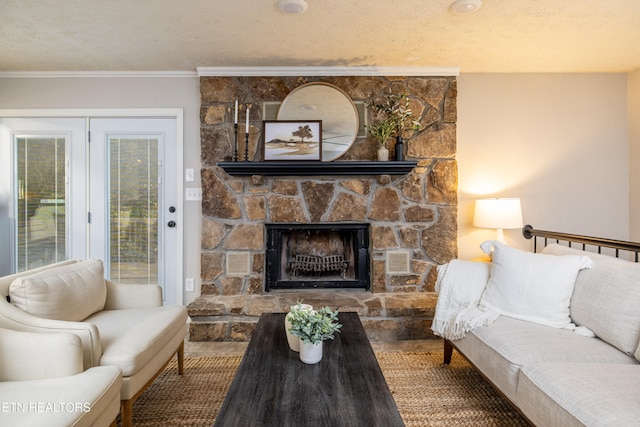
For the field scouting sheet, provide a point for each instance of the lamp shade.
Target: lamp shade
(498, 213)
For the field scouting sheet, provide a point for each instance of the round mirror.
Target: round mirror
(329, 103)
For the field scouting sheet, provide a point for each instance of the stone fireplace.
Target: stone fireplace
(411, 218)
(312, 256)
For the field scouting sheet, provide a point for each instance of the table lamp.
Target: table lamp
(498, 213)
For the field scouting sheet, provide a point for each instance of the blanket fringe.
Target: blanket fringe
(460, 285)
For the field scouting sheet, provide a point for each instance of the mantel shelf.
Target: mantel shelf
(283, 168)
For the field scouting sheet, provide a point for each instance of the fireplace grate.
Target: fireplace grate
(317, 265)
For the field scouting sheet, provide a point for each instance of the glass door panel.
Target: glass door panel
(133, 209)
(41, 201)
(43, 189)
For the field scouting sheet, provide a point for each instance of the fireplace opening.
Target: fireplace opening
(313, 256)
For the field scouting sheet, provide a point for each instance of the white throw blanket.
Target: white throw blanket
(459, 287)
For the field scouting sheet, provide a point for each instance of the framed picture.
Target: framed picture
(292, 139)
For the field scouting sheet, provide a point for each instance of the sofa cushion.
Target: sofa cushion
(532, 287)
(90, 398)
(606, 299)
(69, 292)
(500, 350)
(131, 338)
(28, 356)
(579, 394)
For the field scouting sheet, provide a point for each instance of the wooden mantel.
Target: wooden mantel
(288, 168)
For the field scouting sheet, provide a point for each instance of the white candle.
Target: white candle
(236, 117)
(246, 130)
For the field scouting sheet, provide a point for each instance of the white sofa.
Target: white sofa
(119, 325)
(42, 383)
(558, 374)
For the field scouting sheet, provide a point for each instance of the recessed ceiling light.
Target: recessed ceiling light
(465, 7)
(292, 7)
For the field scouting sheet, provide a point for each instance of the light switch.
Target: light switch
(189, 175)
(193, 194)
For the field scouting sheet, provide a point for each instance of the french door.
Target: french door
(93, 187)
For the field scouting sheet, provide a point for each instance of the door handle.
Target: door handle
(171, 224)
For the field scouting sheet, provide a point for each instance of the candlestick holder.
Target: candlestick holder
(235, 143)
(246, 146)
(235, 146)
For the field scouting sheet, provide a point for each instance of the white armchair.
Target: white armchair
(42, 383)
(119, 325)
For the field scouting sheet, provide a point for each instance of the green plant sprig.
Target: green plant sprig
(314, 326)
(382, 131)
(397, 114)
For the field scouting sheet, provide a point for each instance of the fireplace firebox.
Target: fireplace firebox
(314, 256)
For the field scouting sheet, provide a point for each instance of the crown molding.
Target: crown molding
(92, 112)
(327, 71)
(100, 74)
(245, 71)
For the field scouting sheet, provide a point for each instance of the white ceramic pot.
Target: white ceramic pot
(310, 353)
(294, 341)
(383, 154)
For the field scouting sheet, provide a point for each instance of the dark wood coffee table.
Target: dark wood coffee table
(272, 387)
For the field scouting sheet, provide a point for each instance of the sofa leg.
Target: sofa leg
(126, 406)
(181, 359)
(448, 352)
(126, 412)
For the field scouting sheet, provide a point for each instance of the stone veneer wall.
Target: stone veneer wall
(414, 212)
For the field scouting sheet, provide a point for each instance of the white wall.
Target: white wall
(125, 92)
(557, 141)
(634, 157)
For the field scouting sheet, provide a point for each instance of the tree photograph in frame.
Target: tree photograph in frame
(292, 139)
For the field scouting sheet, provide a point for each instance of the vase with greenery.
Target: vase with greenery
(294, 341)
(381, 132)
(313, 327)
(396, 118)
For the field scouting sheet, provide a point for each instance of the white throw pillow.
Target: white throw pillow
(71, 292)
(606, 299)
(530, 286)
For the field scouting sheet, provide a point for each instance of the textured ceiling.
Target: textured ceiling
(174, 35)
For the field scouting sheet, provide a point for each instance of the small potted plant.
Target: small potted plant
(382, 131)
(313, 327)
(396, 111)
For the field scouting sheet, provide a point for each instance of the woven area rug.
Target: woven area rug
(426, 393)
